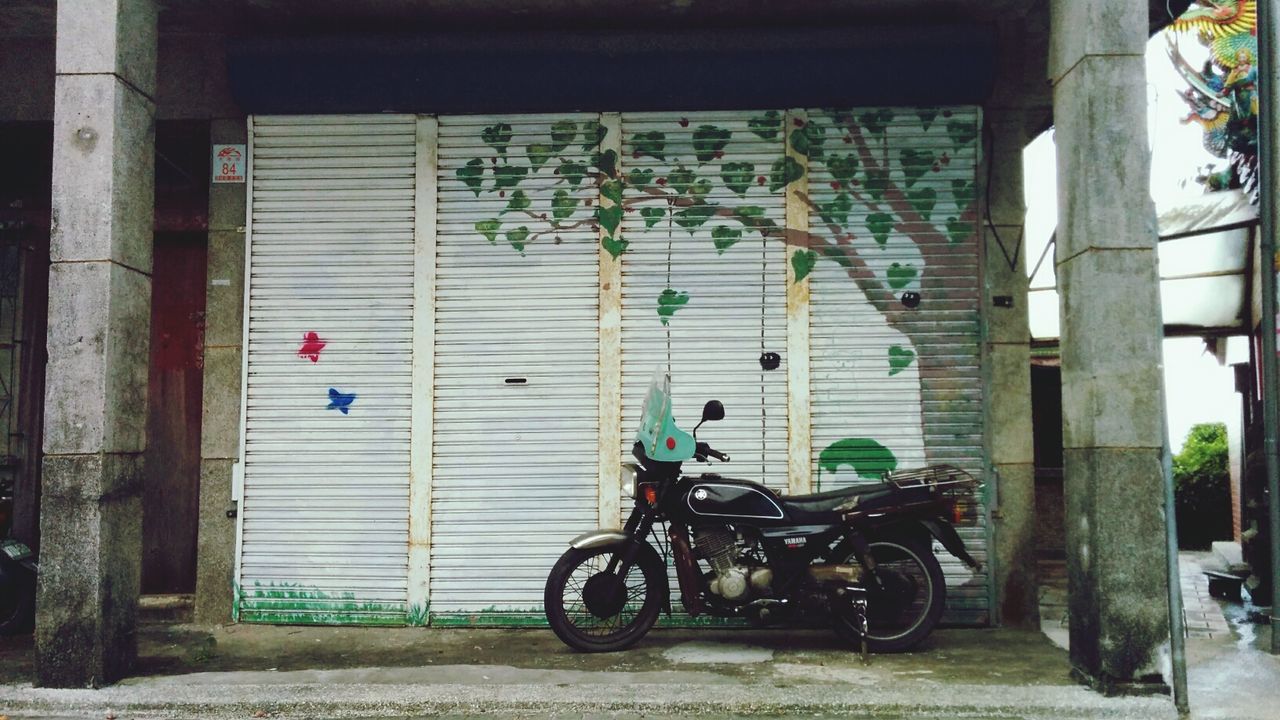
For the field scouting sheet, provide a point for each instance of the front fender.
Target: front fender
(598, 538)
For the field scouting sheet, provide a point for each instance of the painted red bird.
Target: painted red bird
(311, 346)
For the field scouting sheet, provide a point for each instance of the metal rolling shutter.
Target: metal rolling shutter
(726, 281)
(324, 518)
(901, 381)
(516, 375)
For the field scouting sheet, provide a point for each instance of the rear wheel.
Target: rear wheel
(593, 610)
(906, 603)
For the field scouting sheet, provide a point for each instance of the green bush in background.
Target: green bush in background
(1201, 487)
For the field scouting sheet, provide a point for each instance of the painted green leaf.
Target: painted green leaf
(572, 172)
(915, 163)
(497, 137)
(669, 301)
(517, 236)
(609, 217)
(606, 162)
(539, 154)
(708, 141)
(692, 218)
(489, 229)
(640, 178)
(880, 224)
(724, 237)
(926, 116)
(681, 179)
(652, 143)
(877, 183)
(519, 201)
(958, 230)
(868, 458)
(472, 175)
(612, 189)
(738, 176)
(808, 140)
(900, 359)
(766, 126)
(508, 176)
(563, 204)
(652, 215)
(963, 192)
(615, 246)
(785, 171)
(900, 275)
(962, 132)
(836, 212)
(592, 133)
(843, 168)
(562, 133)
(802, 261)
(923, 199)
(876, 121)
(700, 188)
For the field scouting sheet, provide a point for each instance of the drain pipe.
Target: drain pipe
(1269, 178)
(1177, 621)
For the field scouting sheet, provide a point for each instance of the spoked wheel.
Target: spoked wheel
(593, 610)
(906, 603)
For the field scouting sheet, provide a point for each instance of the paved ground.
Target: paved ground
(291, 672)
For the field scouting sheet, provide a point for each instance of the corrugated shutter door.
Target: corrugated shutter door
(325, 508)
(895, 351)
(516, 374)
(703, 288)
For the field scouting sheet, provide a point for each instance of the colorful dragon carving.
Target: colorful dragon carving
(1223, 94)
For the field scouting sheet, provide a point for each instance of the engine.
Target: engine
(730, 580)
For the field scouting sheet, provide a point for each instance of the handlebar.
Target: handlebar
(702, 451)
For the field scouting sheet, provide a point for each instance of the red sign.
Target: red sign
(229, 163)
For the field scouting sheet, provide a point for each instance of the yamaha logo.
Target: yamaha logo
(700, 494)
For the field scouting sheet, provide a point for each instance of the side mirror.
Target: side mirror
(713, 410)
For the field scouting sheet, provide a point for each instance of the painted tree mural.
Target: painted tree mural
(883, 203)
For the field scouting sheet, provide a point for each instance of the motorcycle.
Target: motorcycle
(18, 569)
(859, 558)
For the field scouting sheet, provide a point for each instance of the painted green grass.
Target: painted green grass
(289, 604)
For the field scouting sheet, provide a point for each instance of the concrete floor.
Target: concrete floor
(247, 671)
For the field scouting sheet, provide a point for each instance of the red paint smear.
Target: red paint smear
(311, 347)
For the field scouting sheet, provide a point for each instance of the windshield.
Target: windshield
(662, 439)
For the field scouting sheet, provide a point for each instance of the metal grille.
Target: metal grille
(326, 462)
(516, 374)
(895, 349)
(725, 279)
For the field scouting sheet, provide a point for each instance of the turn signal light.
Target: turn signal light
(957, 512)
(650, 494)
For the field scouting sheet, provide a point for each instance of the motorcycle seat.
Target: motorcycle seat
(827, 502)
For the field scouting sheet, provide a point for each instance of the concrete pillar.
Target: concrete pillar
(220, 434)
(99, 322)
(1111, 346)
(1008, 354)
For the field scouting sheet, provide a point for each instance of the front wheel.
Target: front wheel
(591, 611)
(906, 602)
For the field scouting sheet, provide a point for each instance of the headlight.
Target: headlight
(629, 473)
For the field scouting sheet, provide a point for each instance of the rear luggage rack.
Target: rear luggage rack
(942, 480)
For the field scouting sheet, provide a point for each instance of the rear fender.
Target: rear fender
(950, 539)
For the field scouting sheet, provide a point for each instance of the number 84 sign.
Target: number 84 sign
(228, 163)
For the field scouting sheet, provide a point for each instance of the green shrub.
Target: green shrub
(1202, 487)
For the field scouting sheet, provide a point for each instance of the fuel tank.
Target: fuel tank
(711, 497)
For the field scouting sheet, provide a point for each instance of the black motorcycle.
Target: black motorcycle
(859, 558)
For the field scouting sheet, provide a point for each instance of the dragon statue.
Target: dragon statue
(1222, 94)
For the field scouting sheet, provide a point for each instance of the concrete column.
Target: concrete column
(1111, 350)
(1008, 354)
(223, 354)
(99, 322)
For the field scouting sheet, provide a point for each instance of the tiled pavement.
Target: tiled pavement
(1203, 614)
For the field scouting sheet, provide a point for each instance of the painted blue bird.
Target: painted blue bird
(340, 401)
